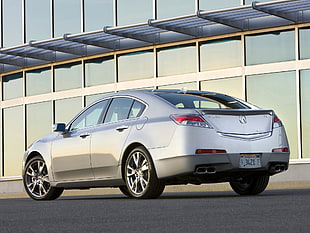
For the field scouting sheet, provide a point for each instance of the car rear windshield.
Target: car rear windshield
(202, 101)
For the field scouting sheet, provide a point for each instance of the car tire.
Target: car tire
(140, 175)
(250, 185)
(125, 191)
(36, 181)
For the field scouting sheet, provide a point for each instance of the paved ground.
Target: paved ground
(216, 211)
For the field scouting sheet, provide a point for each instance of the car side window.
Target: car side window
(90, 117)
(119, 109)
(136, 109)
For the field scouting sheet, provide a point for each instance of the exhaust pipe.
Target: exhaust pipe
(205, 170)
(277, 168)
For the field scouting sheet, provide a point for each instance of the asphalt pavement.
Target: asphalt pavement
(219, 211)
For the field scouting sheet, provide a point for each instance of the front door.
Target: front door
(71, 150)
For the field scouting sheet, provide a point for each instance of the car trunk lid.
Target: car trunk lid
(240, 123)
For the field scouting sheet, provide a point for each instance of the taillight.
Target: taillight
(276, 121)
(210, 151)
(281, 150)
(190, 120)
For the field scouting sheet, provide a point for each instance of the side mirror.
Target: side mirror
(59, 127)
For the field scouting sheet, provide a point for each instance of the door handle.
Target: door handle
(121, 128)
(84, 135)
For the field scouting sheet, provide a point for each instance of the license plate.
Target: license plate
(250, 161)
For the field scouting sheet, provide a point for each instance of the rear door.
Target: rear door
(108, 139)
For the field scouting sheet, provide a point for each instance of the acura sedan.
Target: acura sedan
(140, 141)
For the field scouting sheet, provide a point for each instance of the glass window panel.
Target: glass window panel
(249, 2)
(304, 37)
(99, 71)
(221, 54)
(91, 98)
(68, 76)
(179, 86)
(229, 86)
(38, 20)
(39, 120)
(12, 86)
(118, 109)
(38, 81)
(134, 11)
(137, 65)
(277, 91)
(90, 117)
(172, 8)
(66, 109)
(136, 109)
(67, 17)
(305, 112)
(214, 5)
(270, 47)
(98, 13)
(13, 143)
(12, 23)
(176, 60)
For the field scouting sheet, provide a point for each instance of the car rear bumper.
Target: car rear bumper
(213, 164)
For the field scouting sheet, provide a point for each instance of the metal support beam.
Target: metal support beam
(293, 17)
(131, 34)
(96, 41)
(193, 32)
(59, 46)
(43, 55)
(12, 60)
(234, 24)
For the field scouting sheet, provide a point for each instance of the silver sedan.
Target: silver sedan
(141, 141)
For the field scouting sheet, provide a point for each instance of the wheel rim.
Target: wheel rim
(36, 179)
(137, 173)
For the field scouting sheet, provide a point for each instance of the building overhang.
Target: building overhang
(203, 24)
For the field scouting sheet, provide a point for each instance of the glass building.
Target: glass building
(58, 56)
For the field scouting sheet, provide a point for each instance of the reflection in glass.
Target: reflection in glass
(38, 20)
(304, 49)
(229, 86)
(270, 47)
(13, 140)
(137, 65)
(214, 5)
(172, 8)
(91, 117)
(67, 17)
(221, 54)
(177, 60)
(12, 23)
(68, 76)
(99, 71)
(118, 109)
(39, 120)
(38, 81)
(305, 112)
(66, 109)
(134, 11)
(12, 86)
(98, 13)
(277, 91)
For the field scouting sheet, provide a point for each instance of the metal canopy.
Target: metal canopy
(202, 24)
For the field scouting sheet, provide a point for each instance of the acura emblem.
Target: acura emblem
(242, 119)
